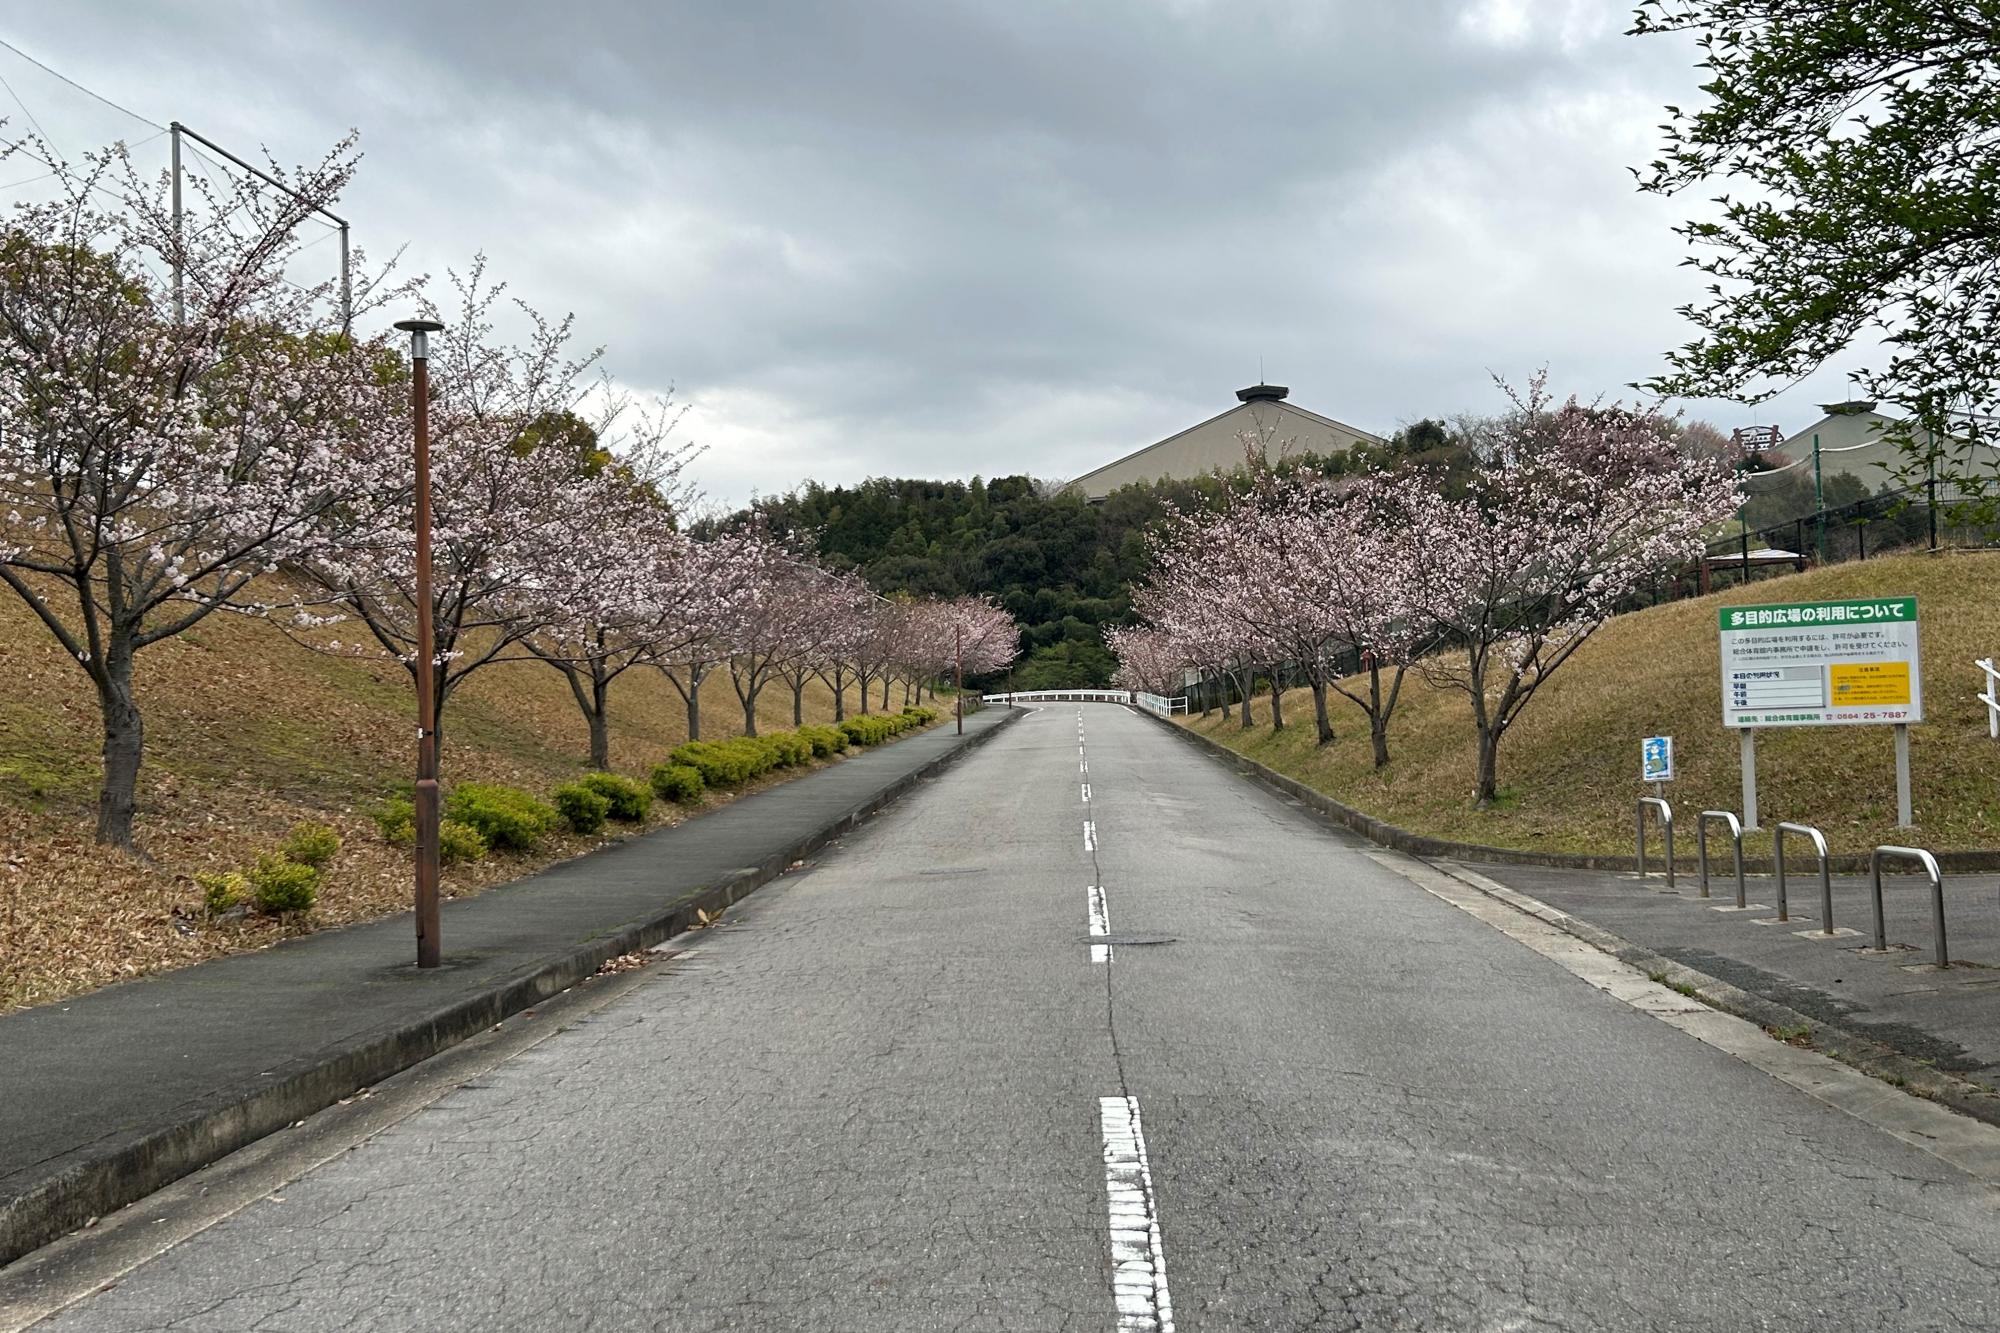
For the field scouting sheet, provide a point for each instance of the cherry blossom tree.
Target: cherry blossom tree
(155, 462)
(526, 503)
(1580, 508)
(1149, 659)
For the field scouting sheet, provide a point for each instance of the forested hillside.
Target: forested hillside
(1059, 564)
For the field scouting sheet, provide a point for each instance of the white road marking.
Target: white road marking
(1090, 835)
(1086, 793)
(1138, 1260)
(1083, 765)
(1100, 923)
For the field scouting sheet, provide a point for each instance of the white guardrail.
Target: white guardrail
(1992, 696)
(1157, 704)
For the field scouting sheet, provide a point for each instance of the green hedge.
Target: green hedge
(630, 799)
(504, 816)
(583, 809)
(680, 783)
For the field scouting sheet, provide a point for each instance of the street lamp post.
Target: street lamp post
(427, 756)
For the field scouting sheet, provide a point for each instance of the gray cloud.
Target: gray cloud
(946, 238)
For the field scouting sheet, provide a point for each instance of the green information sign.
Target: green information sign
(1817, 664)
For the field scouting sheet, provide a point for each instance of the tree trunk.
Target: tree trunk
(886, 682)
(839, 697)
(1321, 723)
(1487, 789)
(799, 702)
(750, 713)
(1277, 702)
(124, 744)
(694, 707)
(1378, 716)
(600, 718)
(1243, 684)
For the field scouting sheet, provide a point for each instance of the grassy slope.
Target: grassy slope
(1569, 769)
(248, 733)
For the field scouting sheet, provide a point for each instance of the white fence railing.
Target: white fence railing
(1157, 704)
(1992, 696)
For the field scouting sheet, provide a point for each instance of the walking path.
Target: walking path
(112, 1094)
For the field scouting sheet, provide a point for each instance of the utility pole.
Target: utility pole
(1819, 505)
(958, 672)
(428, 950)
(180, 299)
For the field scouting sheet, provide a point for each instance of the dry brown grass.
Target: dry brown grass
(247, 734)
(1569, 770)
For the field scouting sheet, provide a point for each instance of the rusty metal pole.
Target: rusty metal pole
(428, 943)
(958, 672)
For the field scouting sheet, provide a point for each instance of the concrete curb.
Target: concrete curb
(103, 1177)
(1417, 844)
(1843, 1044)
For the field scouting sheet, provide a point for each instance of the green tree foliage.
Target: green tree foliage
(1060, 565)
(1859, 137)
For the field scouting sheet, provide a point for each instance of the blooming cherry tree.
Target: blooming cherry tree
(1581, 507)
(155, 462)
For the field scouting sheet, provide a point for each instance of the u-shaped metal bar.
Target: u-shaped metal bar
(1736, 842)
(1930, 867)
(1825, 876)
(1666, 833)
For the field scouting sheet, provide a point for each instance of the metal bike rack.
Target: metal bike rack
(1666, 833)
(1701, 848)
(1825, 876)
(1930, 867)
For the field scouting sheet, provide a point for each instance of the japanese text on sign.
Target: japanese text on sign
(1821, 664)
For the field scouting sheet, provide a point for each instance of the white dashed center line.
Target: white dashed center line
(1090, 835)
(1138, 1261)
(1100, 923)
(1086, 793)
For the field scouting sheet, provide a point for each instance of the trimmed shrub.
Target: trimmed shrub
(222, 890)
(505, 816)
(720, 763)
(923, 713)
(823, 740)
(679, 783)
(873, 728)
(583, 808)
(279, 886)
(397, 819)
(311, 844)
(459, 842)
(792, 749)
(630, 799)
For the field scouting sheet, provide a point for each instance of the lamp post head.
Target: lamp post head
(419, 331)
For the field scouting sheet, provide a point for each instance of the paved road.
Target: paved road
(896, 1092)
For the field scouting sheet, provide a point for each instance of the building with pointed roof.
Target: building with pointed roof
(1261, 414)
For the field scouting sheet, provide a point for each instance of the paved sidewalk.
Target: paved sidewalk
(1950, 1018)
(110, 1095)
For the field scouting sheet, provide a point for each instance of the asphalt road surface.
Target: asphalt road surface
(1163, 1053)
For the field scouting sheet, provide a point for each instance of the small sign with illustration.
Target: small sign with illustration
(1656, 759)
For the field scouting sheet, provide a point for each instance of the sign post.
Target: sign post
(1821, 664)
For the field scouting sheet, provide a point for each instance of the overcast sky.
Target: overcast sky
(938, 238)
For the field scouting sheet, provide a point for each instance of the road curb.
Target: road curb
(102, 1178)
(1417, 844)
